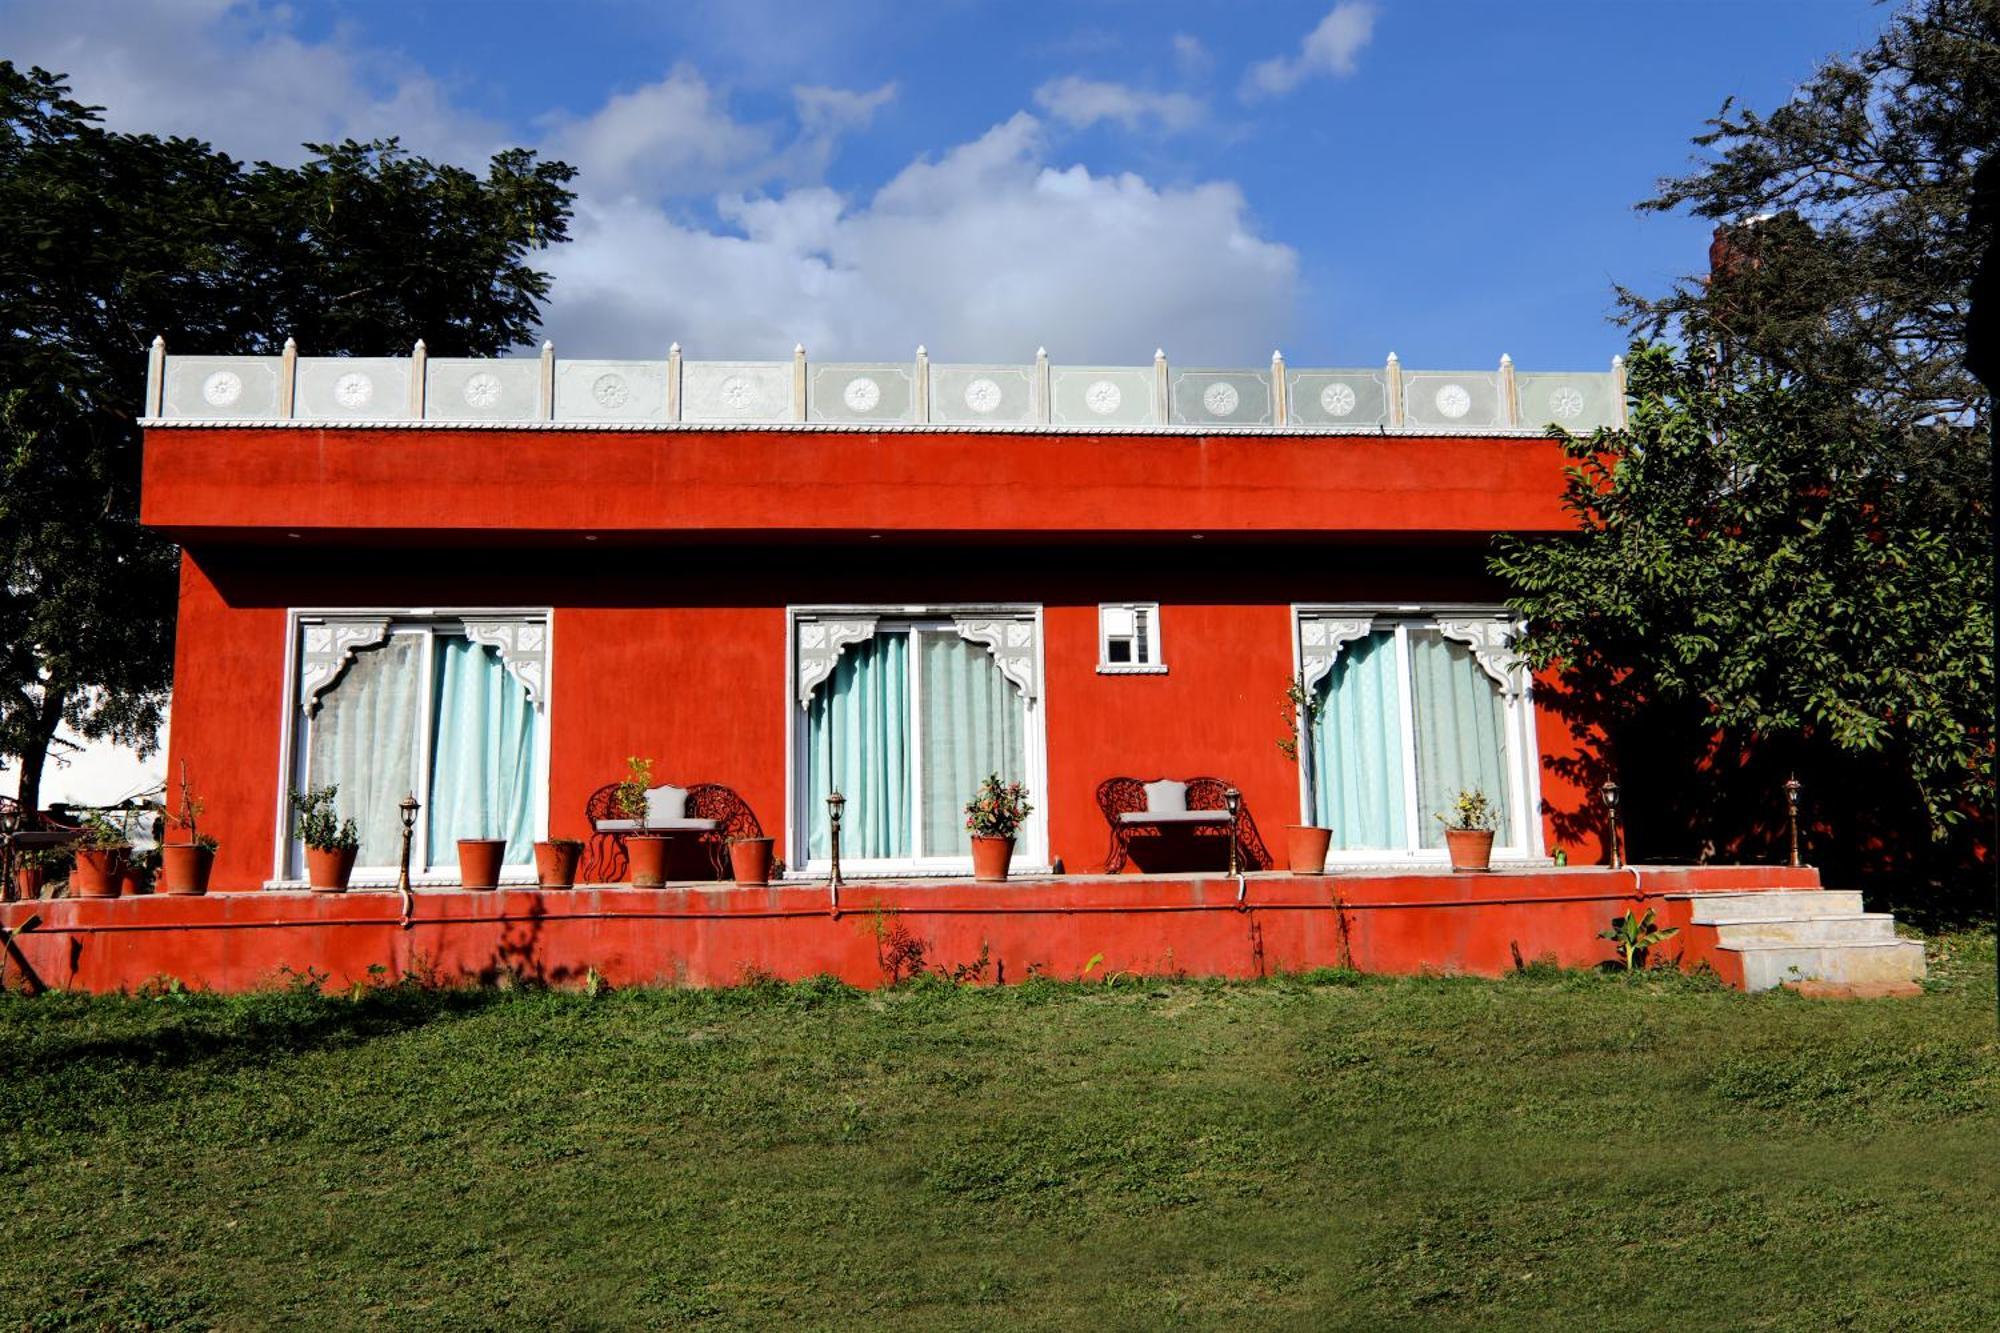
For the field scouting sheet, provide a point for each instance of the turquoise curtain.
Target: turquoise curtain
(364, 736)
(483, 735)
(1357, 757)
(974, 720)
(1461, 732)
(857, 742)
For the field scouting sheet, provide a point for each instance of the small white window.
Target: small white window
(1128, 639)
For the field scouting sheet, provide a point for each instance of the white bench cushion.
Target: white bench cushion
(659, 825)
(1174, 817)
(1165, 797)
(668, 802)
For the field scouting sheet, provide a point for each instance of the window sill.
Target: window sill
(1130, 669)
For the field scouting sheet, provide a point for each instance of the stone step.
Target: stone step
(1769, 965)
(1711, 909)
(1865, 927)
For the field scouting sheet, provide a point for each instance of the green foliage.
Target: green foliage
(102, 834)
(630, 796)
(113, 238)
(1300, 708)
(1773, 577)
(1325, 1151)
(1471, 811)
(1635, 936)
(998, 808)
(316, 821)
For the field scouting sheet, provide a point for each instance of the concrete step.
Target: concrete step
(1711, 909)
(1768, 965)
(1864, 927)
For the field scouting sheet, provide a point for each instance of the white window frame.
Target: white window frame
(1523, 813)
(1156, 662)
(1031, 851)
(295, 732)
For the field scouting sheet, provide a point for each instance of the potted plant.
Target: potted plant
(1468, 830)
(750, 860)
(992, 816)
(645, 852)
(479, 861)
(331, 842)
(185, 865)
(555, 862)
(31, 869)
(100, 859)
(1305, 844)
(140, 869)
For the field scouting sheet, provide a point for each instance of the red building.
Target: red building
(488, 583)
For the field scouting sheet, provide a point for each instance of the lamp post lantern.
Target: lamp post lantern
(1609, 791)
(835, 803)
(1792, 789)
(407, 808)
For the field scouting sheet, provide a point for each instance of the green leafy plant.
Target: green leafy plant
(998, 808)
(1471, 811)
(630, 796)
(1300, 708)
(100, 834)
(317, 824)
(1634, 935)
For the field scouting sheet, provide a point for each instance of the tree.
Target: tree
(112, 238)
(1785, 561)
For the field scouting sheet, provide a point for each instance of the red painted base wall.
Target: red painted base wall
(714, 937)
(681, 656)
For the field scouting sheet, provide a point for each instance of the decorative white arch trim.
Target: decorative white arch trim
(821, 642)
(1011, 640)
(325, 649)
(1492, 644)
(1322, 637)
(523, 647)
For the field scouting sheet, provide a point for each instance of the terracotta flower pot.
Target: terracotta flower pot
(28, 881)
(185, 866)
(646, 854)
(479, 862)
(1305, 848)
(555, 864)
(750, 860)
(98, 872)
(990, 857)
(327, 868)
(1471, 848)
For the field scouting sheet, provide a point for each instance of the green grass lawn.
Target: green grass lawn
(1553, 1150)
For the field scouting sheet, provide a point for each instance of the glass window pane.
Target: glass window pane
(482, 754)
(364, 741)
(857, 743)
(1461, 733)
(974, 722)
(1357, 748)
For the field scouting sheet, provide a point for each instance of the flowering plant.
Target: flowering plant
(1471, 811)
(998, 809)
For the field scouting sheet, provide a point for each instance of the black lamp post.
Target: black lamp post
(1609, 791)
(1792, 789)
(407, 808)
(1232, 801)
(835, 803)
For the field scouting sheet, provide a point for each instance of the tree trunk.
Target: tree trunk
(35, 757)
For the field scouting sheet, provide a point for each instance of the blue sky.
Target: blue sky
(1445, 180)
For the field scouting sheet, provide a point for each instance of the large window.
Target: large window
(903, 717)
(449, 709)
(1412, 711)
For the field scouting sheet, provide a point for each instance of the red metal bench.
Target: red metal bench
(714, 815)
(1201, 810)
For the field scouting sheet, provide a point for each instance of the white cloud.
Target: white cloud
(1081, 103)
(1190, 55)
(840, 110)
(234, 73)
(1330, 48)
(983, 253)
(673, 137)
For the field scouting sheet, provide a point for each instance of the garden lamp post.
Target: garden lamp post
(10, 820)
(407, 808)
(1792, 788)
(1610, 793)
(1232, 801)
(835, 802)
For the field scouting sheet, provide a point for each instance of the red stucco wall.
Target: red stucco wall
(683, 658)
